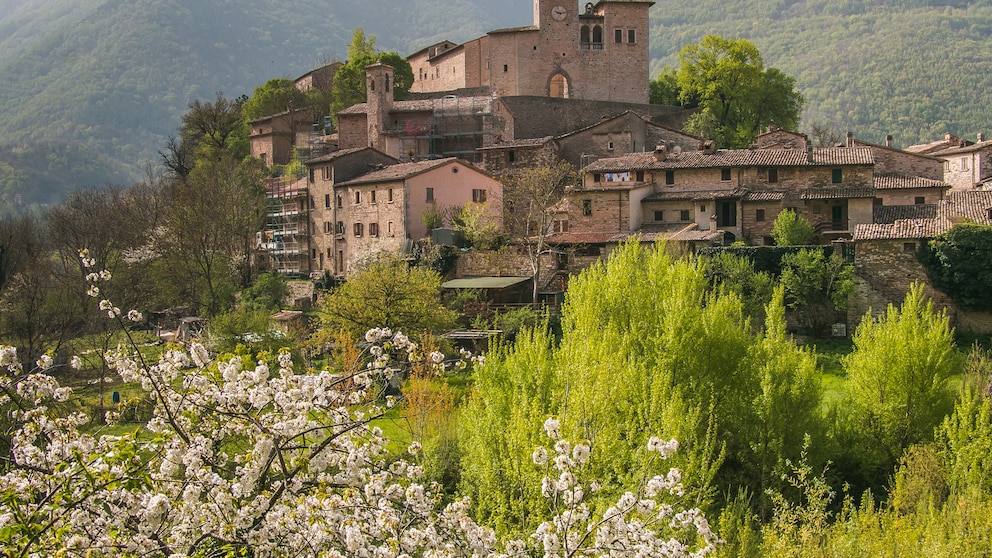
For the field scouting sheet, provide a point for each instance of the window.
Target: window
(389, 195)
(327, 201)
(341, 261)
(772, 176)
(340, 201)
(325, 172)
(909, 247)
(640, 176)
(506, 68)
(919, 200)
(478, 195)
(964, 163)
(511, 156)
(311, 175)
(559, 226)
(597, 177)
(584, 38)
(373, 229)
(597, 38)
(587, 207)
(330, 254)
(358, 197)
(372, 200)
(389, 228)
(670, 177)
(609, 146)
(618, 36)
(702, 208)
(725, 175)
(328, 227)
(759, 214)
(684, 215)
(631, 35)
(430, 195)
(659, 215)
(339, 227)
(358, 229)
(837, 176)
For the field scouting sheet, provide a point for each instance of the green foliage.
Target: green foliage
(897, 376)
(766, 259)
(816, 287)
(664, 90)
(737, 274)
(388, 293)
(349, 82)
(479, 227)
(245, 330)
(267, 293)
(273, 97)
(738, 95)
(957, 263)
(792, 229)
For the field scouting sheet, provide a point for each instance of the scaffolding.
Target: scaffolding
(284, 244)
(451, 127)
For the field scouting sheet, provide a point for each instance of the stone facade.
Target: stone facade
(326, 223)
(600, 52)
(626, 133)
(272, 138)
(966, 167)
(383, 210)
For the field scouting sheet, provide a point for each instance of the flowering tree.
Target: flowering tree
(254, 457)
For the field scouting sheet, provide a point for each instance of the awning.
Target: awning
(483, 282)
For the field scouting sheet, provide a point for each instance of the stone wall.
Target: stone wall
(505, 262)
(908, 196)
(895, 161)
(886, 269)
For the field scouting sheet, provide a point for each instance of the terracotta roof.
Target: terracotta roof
(764, 195)
(601, 237)
(948, 142)
(905, 228)
(974, 206)
(888, 214)
(836, 193)
(514, 29)
(831, 156)
(340, 153)
(970, 205)
(401, 171)
(899, 182)
(970, 148)
(695, 195)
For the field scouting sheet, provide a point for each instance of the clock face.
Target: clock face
(558, 12)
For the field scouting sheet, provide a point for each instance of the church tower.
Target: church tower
(379, 99)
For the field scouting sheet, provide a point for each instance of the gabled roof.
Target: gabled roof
(900, 182)
(949, 141)
(831, 156)
(696, 195)
(334, 155)
(836, 193)
(514, 144)
(972, 206)
(625, 114)
(404, 171)
(765, 195)
(960, 150)
(429, 105)
(888, 214)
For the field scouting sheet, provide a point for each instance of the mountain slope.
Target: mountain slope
(112, 77)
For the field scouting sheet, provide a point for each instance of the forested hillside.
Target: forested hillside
(114, 75)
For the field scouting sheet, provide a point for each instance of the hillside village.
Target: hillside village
(574, 85)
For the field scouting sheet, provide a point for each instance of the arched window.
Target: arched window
(559, 86)
(597, 37)
(387, 82)
(584, 39)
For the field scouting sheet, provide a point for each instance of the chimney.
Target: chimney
(660, 153)
(708, 147)
(809, 153)
(888, 140)
(981, 137)
(948, 136)
(712, 223)
(850, 139)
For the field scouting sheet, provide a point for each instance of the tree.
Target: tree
(792, 229)
(529, 197)
(957, 263)
(349, 81)
(273, 97)
(816, 287)
(388, 293)
(897, 376)
(738, 95)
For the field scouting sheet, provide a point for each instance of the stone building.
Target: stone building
(324, 173)
(738, 192)
(599, 52)
(967, 167)
(384, 210)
